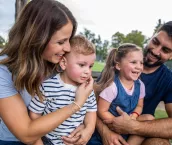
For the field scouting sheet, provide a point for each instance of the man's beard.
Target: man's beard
(146, 60)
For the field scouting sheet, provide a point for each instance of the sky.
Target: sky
(105, 17)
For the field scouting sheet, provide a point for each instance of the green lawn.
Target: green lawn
(98, 66)
(160, 114)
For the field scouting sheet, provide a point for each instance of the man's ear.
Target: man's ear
(63, 63)
(170, 57)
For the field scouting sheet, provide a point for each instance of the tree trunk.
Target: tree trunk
(19, 6)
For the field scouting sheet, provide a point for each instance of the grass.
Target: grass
(98, 66)
(160, 114)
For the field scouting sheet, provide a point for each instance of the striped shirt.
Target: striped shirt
(57, 95)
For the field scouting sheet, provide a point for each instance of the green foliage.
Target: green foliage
(117, 39)
(134, 36)
(2, 42)
(101, 46)
(98, 66)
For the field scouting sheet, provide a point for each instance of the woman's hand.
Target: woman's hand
(83, 91)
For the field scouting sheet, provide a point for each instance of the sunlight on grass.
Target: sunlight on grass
(98, 66)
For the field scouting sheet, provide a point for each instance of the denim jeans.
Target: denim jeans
(11, 143)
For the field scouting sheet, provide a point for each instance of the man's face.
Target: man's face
(158, 50)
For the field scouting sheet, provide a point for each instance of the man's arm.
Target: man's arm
(155, 128)
(109, 137)
(168, 108)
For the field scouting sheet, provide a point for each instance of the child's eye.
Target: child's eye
(81, 65)
(134, 62)
(91, 66)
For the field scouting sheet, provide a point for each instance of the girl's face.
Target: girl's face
(131, 66)
(58, 44)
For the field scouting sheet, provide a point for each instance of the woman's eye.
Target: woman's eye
(61, 42)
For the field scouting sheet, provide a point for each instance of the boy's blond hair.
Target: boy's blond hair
(82, 45)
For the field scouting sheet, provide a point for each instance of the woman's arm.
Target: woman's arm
(14, 113)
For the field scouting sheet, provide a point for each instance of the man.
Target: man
(158, 83)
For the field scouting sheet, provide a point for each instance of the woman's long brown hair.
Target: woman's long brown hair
(28, 38)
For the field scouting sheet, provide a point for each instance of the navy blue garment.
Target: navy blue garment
(11, 143)
(46, 141)
(158, 87)
(126, 102)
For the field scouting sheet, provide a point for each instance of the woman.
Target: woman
(37, 41)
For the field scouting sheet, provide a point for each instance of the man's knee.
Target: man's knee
(155, 141)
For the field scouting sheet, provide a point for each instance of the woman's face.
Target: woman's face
(58, 44)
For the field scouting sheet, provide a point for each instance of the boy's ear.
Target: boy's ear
(63, 63)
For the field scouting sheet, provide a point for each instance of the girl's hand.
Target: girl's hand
(83, 91)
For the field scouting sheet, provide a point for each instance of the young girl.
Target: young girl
(59, 91)
(119, 84)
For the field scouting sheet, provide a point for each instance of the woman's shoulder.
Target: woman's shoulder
(4, 71)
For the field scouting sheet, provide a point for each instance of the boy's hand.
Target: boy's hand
(84, 136)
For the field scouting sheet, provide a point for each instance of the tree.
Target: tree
(19, 4)
(117, 39)
(2, 42)
(159, 24)
(135, 37)
(101, 47)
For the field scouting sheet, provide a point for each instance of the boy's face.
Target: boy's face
(78, 67)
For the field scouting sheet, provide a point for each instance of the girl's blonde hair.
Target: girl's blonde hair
(115, 56)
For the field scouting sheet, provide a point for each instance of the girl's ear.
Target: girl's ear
(117, 66)
(63, 63)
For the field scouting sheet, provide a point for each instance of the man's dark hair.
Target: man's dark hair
(167, 27)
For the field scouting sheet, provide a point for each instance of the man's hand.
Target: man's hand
(111, 138)
(122, 124)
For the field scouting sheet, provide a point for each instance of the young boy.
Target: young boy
(59, 91)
